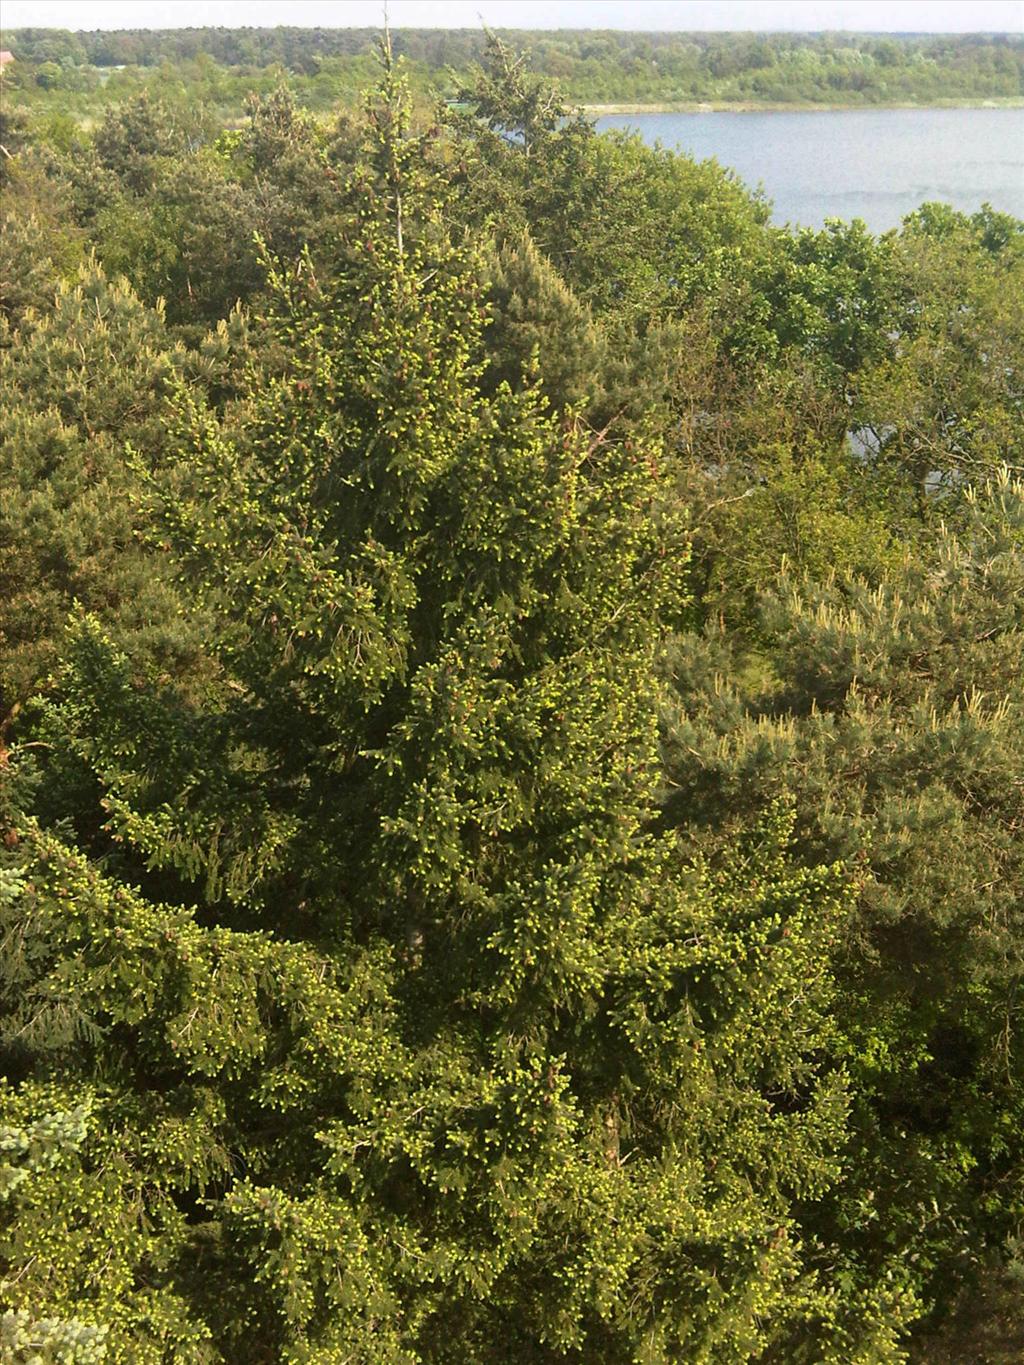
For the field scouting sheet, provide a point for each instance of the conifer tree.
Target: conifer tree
(534, 314)
(635, 232)
(82, 377)
(892, 712)
(419, 1045)
(132, 139)
(38, 245)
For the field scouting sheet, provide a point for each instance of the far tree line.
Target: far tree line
(590, 65)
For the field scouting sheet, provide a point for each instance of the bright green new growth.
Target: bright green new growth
(452, 1059)
(515, 853)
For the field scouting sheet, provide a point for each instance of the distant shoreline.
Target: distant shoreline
(779, 107)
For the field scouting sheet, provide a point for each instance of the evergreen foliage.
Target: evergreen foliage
(892, 714)
(80, 377)
(510, 762)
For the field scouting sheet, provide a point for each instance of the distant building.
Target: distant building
(5, 57)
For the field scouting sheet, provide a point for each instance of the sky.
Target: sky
(889, 16)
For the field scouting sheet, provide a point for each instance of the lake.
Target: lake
(875, 164)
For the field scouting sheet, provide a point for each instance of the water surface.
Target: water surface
(875, 164)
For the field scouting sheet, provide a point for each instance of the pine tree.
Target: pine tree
(892, 713)
(132, 139)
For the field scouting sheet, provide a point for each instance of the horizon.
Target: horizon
(514, 28)
(869, 17)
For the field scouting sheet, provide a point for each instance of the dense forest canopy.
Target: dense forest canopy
(599, 66)
(511, 732)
